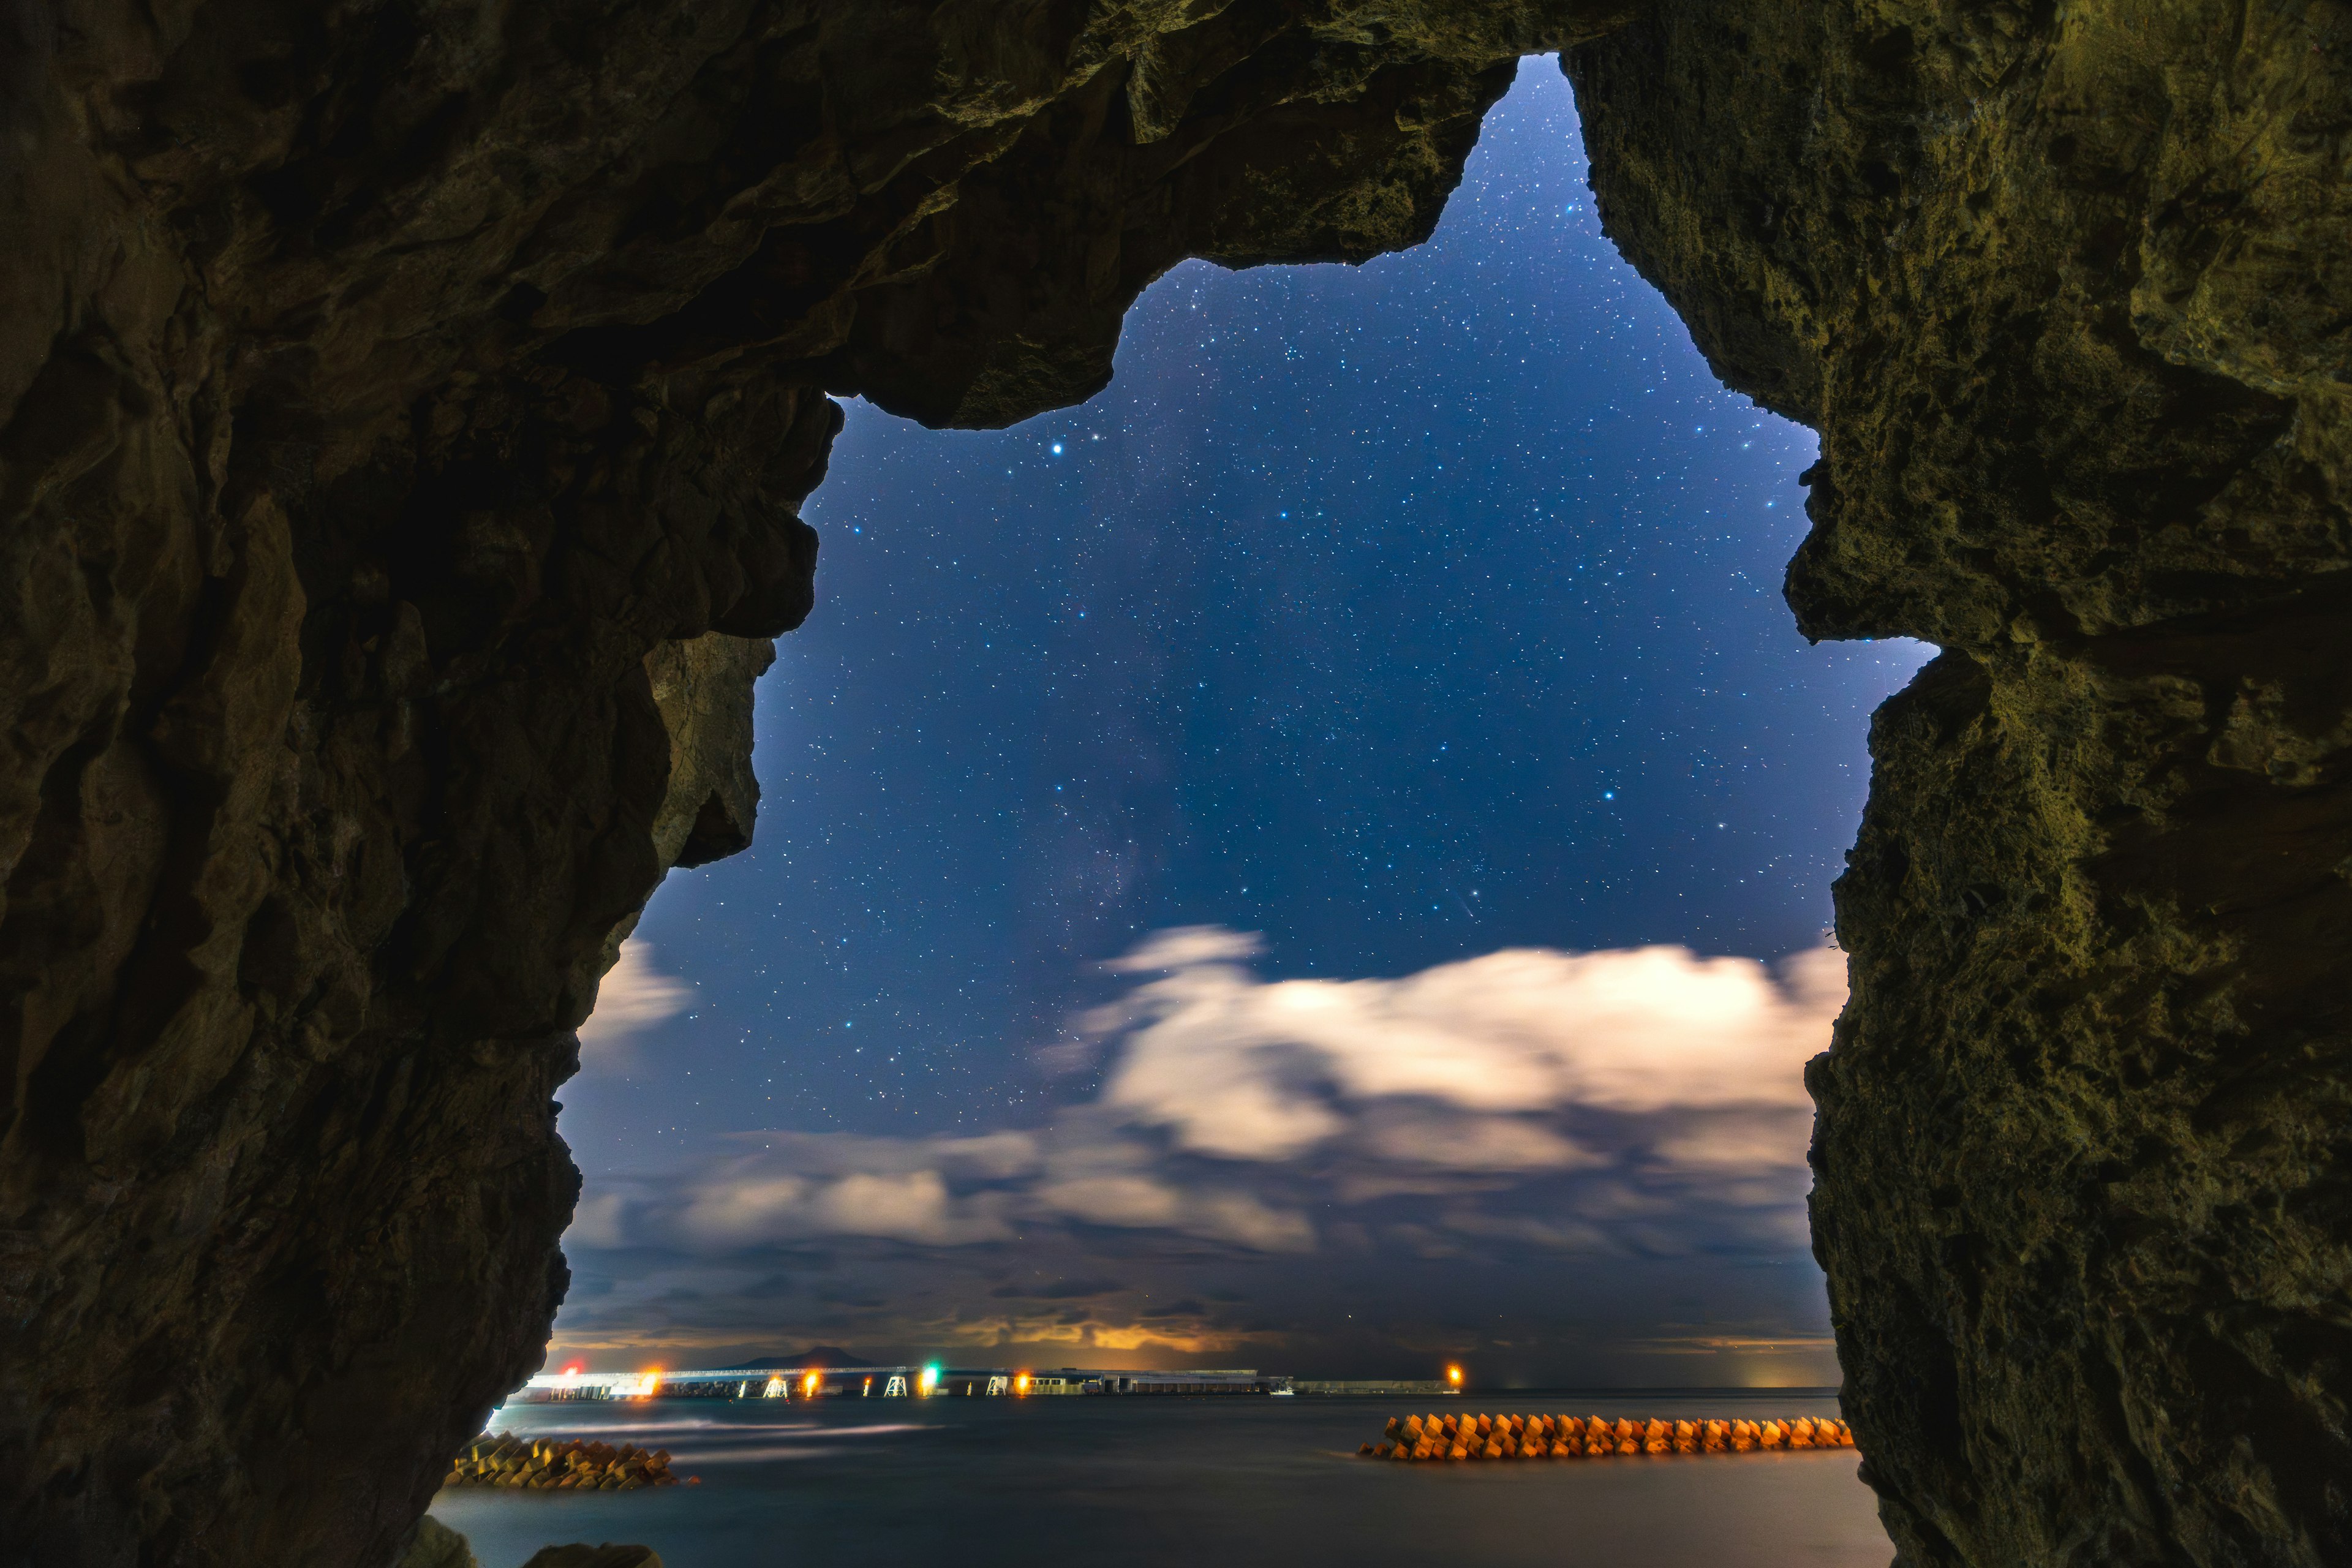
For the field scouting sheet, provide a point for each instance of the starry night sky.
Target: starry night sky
(1391, 616)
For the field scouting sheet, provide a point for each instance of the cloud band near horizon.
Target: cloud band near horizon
(1558, 1158)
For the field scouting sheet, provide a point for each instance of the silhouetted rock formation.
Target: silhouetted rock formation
(437, 1546)
(402, 413)
(2065, 291)
(595, 1557)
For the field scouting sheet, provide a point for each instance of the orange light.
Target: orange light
(1021, 1383)
(1453, 1375)
(808, 1386)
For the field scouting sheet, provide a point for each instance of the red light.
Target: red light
(575, 1369)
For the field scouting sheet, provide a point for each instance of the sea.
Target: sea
(1142, 1481)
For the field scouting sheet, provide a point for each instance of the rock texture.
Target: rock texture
(404, 409)
(436, 1546)
(2066, 291)
(595, 1557)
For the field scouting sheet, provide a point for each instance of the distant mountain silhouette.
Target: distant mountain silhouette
(822, 1357)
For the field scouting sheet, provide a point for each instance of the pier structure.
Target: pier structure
(722, 1382)
(1242, 1380)
(930, 1381)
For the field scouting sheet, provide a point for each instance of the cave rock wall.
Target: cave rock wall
(2066, 291)
(404, 406)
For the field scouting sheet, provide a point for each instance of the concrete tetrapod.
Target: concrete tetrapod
(561, 1464)
(1453, 1437)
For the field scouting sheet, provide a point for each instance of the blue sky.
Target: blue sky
(1412, 630)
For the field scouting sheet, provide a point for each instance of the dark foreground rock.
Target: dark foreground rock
(403, 411)
(595, 1557)
(2065, 291)
(436, 1545)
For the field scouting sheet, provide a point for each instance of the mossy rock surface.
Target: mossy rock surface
(437, 1546)
(406, 412)
(606, 1556)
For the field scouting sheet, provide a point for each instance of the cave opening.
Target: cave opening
(406, 426)
(1372, 621)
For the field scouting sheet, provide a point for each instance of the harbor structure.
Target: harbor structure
(930, 1381)
(1244, 1380)
(726, 1382)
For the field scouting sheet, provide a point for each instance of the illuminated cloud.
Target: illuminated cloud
(1414, 1135)
(1543, 1111)
(1229, 1062)
(744, 1207)
(815, 1185)
(634, 996)
(1182, 947)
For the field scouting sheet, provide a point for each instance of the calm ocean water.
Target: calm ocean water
(1198, 1482)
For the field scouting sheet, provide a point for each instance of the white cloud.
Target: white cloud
(1132, 1202)
(1238, 1217)
(1222, 1057)
(914, 1206)
(632, 998)
(1559, 1101)
(1409, 1136)
(597, 1221)
(1142, 1203)
(1182, 947)
(749, 1205)
(993, 1156)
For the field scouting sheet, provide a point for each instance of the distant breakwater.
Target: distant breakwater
(1592, 1436)
(561, 1464)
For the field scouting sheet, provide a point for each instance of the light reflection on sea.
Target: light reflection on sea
(1143, 1482)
